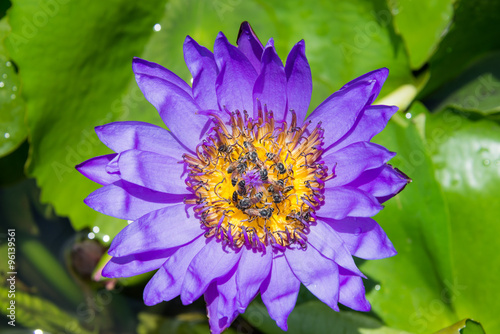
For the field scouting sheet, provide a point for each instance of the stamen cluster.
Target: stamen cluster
(258, 182)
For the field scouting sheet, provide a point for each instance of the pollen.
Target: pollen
(258, 182)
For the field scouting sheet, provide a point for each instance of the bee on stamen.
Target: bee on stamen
(277, 163)
(263, 213)
(247, 202)
(242, 190)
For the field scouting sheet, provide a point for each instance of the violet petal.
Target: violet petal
(349, 162)
(212, 262)
(95, 169)
(341, 109)
(363, 237)
(379, 76)
(236, 77)
(175, 107)
(250, 45)
(299, 81)
(279, 291)
(341, 202)
(318, 274)
(201, 64)
(270, 86)
(136, 264)
(253, 268)
(141, 66)
(122, 136)
(168, 284)
(369, 123)
(161, 229)
(152, 170)
(383, 182)
(352, 292)
(129, 201)
(326, 241)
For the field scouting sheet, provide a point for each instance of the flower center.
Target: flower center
(258, 182)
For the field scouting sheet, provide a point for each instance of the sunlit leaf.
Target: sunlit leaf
(422, 24)
(466, 155)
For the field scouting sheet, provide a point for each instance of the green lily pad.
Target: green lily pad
(12, 128)
(466, 326)
(422, 24)
(75, 63)
(316, 317)
(466, 156)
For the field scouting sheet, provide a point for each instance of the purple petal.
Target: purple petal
(212, 299)
(253, 268)
(227, 308)
(379, 76)
(167, 282)
(152, 170)
(369, 123)
(95, 169)
(270, 86)
(212, 262)
(279, 291)
(341, 109)
(318, 274)
(250, 45)
(383, 182)
(326, 241)
(141, 66)
(363, 237)
(352, 292)
(201, 64)
(349, 162)
(341, 202)
(299, 81)
(123, 136)
(176, 107)
(129, 201)
(165, 228)
(135, 264)
(236, 77)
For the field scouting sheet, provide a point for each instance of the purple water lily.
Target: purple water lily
(245, 194)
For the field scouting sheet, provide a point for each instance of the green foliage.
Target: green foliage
(34, 312)
(316, 317)
(422, 24)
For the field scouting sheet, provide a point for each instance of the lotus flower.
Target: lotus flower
(246, 194)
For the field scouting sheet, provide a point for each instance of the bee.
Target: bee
(242, 190)
(247, 202)
(277, 197)
(279, 186)
(239, 165)
(236, 171)
(263, 213)
(252, 152)
(301, 216)
(276, 159)
(263, 174)
(235, 198)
